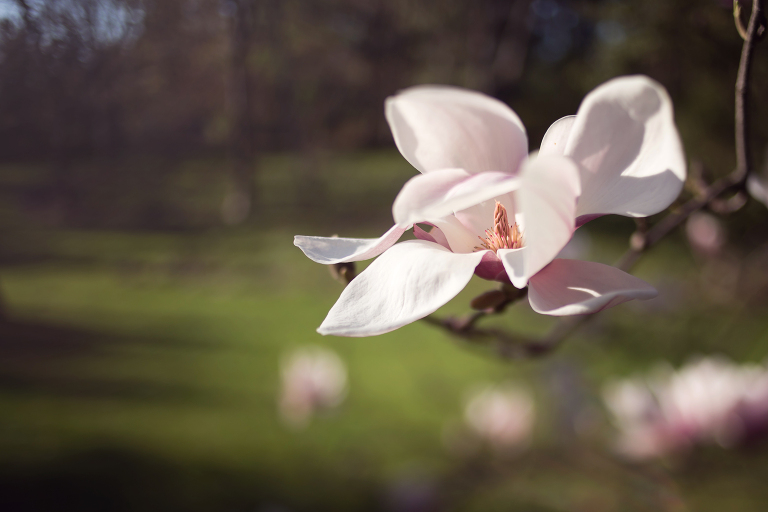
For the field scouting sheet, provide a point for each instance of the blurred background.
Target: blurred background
(157, 335)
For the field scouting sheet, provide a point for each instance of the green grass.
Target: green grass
(168, 345)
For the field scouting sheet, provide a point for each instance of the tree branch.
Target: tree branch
(756, 25)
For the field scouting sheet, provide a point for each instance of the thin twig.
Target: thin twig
(507, 345)
(743, 156)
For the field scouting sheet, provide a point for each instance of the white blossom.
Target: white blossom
(499, 213)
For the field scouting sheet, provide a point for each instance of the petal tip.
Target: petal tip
(572, 287)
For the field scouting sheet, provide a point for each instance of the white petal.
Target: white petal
(626, 142)
(514, 264)
(432, 196)
(459, 237)
(572, 287)
(406, 283)
(434, 235)
(556, 138)
(547, 201)
(341, 250)
(438, 127)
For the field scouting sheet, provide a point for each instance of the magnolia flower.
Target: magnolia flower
(496, 212)
(313, 379)
(707, 400)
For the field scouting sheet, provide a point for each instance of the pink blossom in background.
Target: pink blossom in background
(709, 400)
(314, 379)
(495, 211)
(502, 416)
(705, 233)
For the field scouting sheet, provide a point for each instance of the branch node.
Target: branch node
(488, 300)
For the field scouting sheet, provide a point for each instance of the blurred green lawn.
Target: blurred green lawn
(140, 370)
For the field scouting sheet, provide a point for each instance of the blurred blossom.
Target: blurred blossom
(314, 379)
(502, 416)
(705, 233)
(708, 400)
(757, 184)
(758, 189)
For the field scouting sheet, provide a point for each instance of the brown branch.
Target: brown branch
(507, 345)
(743, 156)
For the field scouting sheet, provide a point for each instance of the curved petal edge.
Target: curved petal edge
(428, 197)
(572, 287)
(440, 127)
(556, 138)
(626, 143)
(332, 250)
(408, 282)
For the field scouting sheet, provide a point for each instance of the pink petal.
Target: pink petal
(547, 201)
(556, 138)
(341, 250)
(514, 264)
(492, 268)
(458, 236)
(408, 282)
(434, 235)
(572, 287)
(432, 196)
(438, 127)
(583, 219)
(625, 140)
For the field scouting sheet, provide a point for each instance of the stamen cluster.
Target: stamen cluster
(504, 234)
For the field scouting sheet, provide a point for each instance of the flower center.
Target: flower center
(504, 234)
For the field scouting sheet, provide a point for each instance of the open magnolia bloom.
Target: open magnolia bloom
(499, 213)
